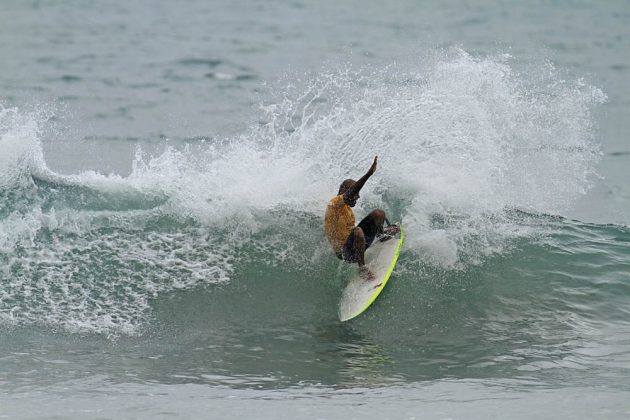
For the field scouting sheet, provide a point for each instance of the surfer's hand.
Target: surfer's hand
(373, 167)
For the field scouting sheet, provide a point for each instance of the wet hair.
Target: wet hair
(346, 185)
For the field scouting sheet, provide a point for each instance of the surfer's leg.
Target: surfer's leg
(354, 251)
(354, 248)
(372, 225)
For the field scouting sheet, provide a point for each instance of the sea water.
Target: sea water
(164, 169)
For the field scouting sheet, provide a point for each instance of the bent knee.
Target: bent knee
(378, 215)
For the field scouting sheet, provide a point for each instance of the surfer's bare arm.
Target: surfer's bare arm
(354, 190)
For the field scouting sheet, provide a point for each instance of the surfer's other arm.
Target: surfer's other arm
(352, 188)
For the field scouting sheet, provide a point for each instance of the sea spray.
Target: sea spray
(465, 139)
(469, 151)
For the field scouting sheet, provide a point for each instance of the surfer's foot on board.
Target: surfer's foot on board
(368, 276)
(365, 273)
(389, 232)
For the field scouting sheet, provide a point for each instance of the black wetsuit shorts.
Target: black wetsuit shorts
(370, 230)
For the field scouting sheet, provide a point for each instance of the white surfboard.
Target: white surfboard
(359, 294)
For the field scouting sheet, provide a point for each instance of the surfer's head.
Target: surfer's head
(344, 188)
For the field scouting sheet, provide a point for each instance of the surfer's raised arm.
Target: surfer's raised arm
(352, 193)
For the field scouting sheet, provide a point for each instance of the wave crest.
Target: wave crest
(462, 142)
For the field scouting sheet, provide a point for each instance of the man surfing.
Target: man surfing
(347, 240)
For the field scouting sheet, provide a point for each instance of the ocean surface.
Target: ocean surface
(165, 166)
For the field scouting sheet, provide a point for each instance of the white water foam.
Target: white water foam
(466, 138)
(67, 265)
(459, 141)
(18, 144)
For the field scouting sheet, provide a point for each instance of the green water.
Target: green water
(164, 169)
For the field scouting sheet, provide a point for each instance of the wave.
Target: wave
(471, 152)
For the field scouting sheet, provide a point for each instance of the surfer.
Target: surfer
(347, 240)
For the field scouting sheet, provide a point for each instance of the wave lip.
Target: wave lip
(19, 144)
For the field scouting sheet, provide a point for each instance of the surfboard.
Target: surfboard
(359, 294)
